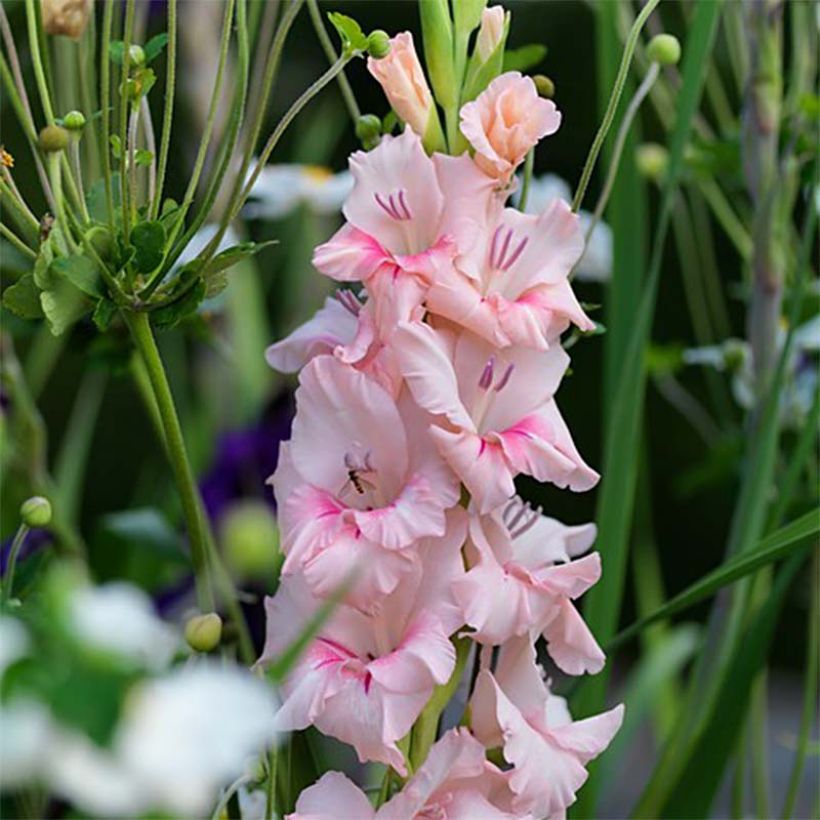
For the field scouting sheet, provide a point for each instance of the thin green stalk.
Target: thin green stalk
(739, 778)
(130, 150)
(17, 242)
(270, 785)
(810, 688)
(725, 215)
(21, 213)
(105, 104)
(14, 552)
(615, 97)
(86, 56)
(42, 356)
(168, 110)
(124, 106)
(74, 153)
(37, 61)
(525, 186)
(143, 337)
(344, 85)
(55, 175)
(759, 736)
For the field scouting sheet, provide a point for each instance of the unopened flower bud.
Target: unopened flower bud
(53, 138)
(378, 44)
(490, 33)
(544, 86)
(74, 121)
(664, 49)
(651, 160)
(203, 632)
(136, 55)
(67, 17)
(250, 538)
(369, 130)
(36, 511)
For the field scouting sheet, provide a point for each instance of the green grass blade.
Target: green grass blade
(776, 547)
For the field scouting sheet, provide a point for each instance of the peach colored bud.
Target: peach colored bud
(402, 78)
(505, 121)
(68, 17)
(491, 32)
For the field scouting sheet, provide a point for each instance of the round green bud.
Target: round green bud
(136, 56)
(652, 160)
(378, 44)
(369, 130)
(53, 138)
(250, 538)
(204, 632)
(36, 511)
(664, 49)
(74, 121)
(544, 86)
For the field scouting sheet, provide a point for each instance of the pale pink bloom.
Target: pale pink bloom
(493, 21)
(402, 79)
(358, 483)
(366, 677)
(513, 286)
(514, 708)
(408, 214)
(455, 782)
(496, 415)
(505, 121)
(524, 557)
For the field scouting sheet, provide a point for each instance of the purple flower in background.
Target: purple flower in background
(34, 541)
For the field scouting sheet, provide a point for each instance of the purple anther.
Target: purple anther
(349, 300)
(403, 202)
(486, 379)
(494, 248)
(505, 378)
(508, 263)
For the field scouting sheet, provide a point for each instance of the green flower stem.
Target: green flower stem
(74, 152)
(727, 218)
(124, 106)
(14, 552)
(37, 61)
(20, 212)
(614, 98)
(270, 783)
(55, 174)
(620, 141)
(140, 327)
(18, 243)
(327, 44)
(105, 104)
(525, 187)
(150, 144)
(133, 129)
(168, 111)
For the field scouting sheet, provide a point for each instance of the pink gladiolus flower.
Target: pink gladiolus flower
(493, 20)
(366, 677)
(505, 121)
(356, 486)
(455, 782)
(405, 86)
(514, 708)
(524, 558)
(496, 413)
(513, 286)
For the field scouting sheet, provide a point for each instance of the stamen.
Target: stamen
(349, 300)
(394, 205)
(486, 379)
(505, 378)
(519, 517)
(405, 208)
(494, 248)
(516, 253)
(388, 208)
(504, 248)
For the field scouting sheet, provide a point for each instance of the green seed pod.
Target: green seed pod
(53, 138)
(36, 511)
(250, 538)
(369, 130)
(544, 86)
(136, 56)
(652, 160)
(378, 44)
(204, 632)
(74, 121)
(664, 49)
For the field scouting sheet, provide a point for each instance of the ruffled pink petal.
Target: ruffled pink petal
(571, 644)
(588, 738)
(548, 541)
(573, 579)
(350, 255)
(331, 797)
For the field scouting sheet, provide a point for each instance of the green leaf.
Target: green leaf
(213, 274)
(63, 305)
(116, 51)
(143, 157)
(525, 57)
(116, 146)
(170, 315)
(153, 48)
(350, 32)
(776, 547)
(23, 298)
(148, 240)
(480, 75)
(103, 314)
(96, 202)
(80, 271)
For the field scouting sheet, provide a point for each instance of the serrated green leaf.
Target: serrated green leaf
(80, 271)
(228, 258)
(154, 46)
(350, 32)
(23, 298)
(148, 241)
(525, 57)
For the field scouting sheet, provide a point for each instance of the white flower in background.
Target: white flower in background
(25, 740)
(281, 189)
(201, 238)
(119, 619)
(802, 381)
(596, 263)
(14, 642)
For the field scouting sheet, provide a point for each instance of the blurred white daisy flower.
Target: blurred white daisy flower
(14, 641)
(281, 189)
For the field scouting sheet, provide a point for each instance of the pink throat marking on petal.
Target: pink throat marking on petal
(500, 257)
(519, 516)
(395, 205)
